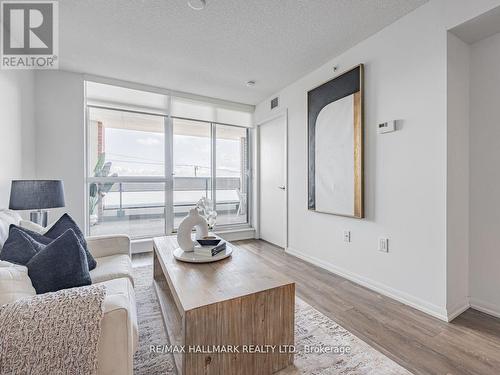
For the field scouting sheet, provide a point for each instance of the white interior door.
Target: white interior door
(273, 176)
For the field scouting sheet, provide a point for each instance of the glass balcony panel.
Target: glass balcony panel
(133, 208)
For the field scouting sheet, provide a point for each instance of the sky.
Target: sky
(139, 153)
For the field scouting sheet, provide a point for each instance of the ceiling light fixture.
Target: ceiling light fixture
(250, 83)
(197, 4)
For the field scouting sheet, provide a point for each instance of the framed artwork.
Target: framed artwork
(335, 145)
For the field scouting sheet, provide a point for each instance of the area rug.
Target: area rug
(348, 355)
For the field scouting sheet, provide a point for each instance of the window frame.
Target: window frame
(168, 178)
(247, 172)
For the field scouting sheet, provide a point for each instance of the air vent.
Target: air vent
(275, 103)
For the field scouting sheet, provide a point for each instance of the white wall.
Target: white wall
(456, 12)
(17, 129)
(59, 114)
(457, 245)
(405, 171)
(407, 192)
(485, 175)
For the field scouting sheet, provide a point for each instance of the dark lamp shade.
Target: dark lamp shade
(36, 194)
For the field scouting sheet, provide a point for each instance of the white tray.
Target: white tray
(193, 257)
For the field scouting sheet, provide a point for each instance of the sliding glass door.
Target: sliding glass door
(192, 165)
(210, 160)
(147, 167)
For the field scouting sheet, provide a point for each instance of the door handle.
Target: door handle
(282, 187)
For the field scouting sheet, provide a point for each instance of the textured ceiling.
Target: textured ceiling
(215, 51)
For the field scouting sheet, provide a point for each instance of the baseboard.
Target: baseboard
(146, 245)
(141, 246)
(385, 290)
(456, 311)
(485, 307)
(237, 234)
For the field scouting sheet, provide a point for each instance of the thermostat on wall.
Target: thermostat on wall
(387, 127)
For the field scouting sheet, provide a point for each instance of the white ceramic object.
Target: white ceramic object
(193, 257)
(193, 220)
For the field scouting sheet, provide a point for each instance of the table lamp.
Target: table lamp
(36, 195)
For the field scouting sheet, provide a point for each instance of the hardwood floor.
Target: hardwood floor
(422, 344)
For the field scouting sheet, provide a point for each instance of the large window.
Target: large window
(131, 144)
(147, 167)
(126, 164)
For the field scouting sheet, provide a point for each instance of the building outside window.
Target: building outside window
(151, 158)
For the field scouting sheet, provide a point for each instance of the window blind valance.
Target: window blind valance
(210, 110)
(204, 111)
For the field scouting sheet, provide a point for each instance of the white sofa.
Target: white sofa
(119, 333)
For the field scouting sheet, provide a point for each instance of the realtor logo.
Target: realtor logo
(30, 37)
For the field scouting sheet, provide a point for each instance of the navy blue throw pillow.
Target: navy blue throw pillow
(40, 238)
(64, 223)
(19, 247)
(60, 265)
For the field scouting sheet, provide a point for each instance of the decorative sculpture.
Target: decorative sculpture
(206, 209)
(193, 220)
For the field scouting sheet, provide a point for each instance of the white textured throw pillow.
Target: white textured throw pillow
(7, 217)
(14, 283)
(26, 224)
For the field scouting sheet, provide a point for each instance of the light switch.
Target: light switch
(347, 236)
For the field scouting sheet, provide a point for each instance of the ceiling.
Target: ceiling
(479, 28)
(213, 52)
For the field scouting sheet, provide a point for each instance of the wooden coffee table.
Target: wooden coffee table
(237, 304)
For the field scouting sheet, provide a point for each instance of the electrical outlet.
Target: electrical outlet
(347, 236)
(383, 245)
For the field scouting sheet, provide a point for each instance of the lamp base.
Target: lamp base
(39, 217)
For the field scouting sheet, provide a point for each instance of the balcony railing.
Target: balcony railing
(138, 208)
(230, 200)
(181, 184)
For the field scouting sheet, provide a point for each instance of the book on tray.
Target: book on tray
(210, 250)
